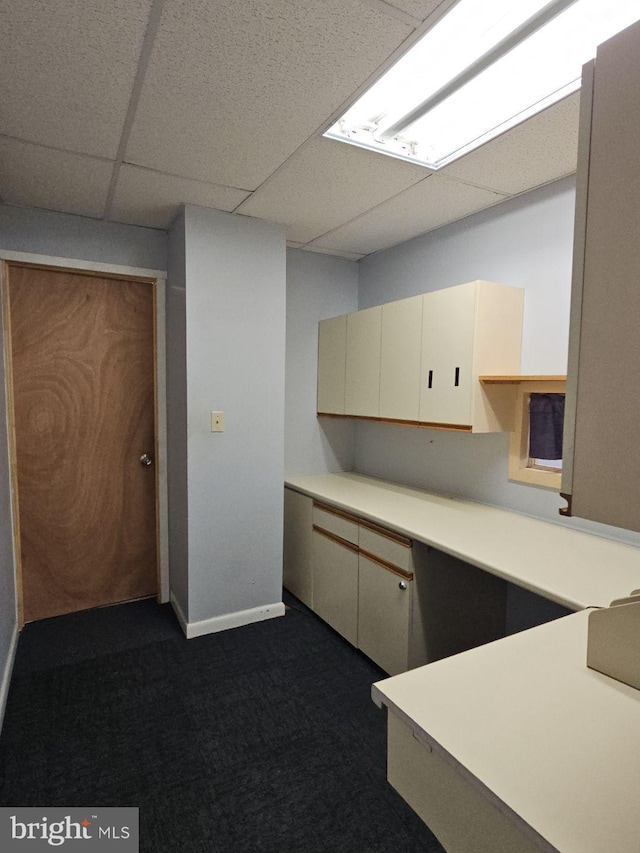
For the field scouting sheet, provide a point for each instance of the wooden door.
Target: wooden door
(447, 355)
(82, 352)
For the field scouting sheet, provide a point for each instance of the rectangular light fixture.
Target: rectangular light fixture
(482, 69)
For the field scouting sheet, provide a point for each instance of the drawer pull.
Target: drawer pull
(402, 585)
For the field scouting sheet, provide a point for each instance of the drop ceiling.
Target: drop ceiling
(124, 110)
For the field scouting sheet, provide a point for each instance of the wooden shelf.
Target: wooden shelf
(516, 380)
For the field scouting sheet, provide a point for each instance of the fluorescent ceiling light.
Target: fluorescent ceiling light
(483, 68)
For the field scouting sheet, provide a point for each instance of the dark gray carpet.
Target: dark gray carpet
(263, 738)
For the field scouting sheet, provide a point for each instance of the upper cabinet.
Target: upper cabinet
(362, 386)
(400, 359)
(332, 352)
(417, 360)
(601, 463)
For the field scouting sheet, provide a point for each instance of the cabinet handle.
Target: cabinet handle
(402, 585)
(430, 382)
(457, 379)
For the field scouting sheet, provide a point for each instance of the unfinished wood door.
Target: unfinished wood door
(82, 351)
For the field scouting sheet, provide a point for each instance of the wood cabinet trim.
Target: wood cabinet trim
(340, 513)
(388, 534)
(400, 422)
(348, 545)
(396, 570)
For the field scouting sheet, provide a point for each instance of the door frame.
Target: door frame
(157, 279)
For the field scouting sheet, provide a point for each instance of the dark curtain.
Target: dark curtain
(546, 418)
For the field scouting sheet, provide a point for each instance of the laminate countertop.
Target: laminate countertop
(551, 743)
(572, 568)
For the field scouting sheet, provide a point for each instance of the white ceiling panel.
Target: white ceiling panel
(326, 183)
(232, 89)
(67, 69)
(56, 180)
(535, 152)
(145, 197)
(423, 207)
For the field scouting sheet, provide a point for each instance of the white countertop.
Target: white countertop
(553, 743)
(575, 569)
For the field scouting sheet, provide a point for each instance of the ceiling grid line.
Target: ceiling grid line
(153, 25)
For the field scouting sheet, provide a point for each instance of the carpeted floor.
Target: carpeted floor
(263, 738)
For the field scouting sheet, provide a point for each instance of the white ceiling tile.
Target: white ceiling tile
(145, 197)
(57, 180)
(327, 183)
(67, 70)
(421, 208)
(420, 9)
(538, 151)
(350, 256)
(232, 89)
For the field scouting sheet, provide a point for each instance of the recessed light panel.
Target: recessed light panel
(482, 69)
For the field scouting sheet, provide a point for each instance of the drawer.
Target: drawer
(387, 545)
(336, 521)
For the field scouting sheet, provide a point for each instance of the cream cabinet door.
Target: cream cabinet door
(296, 570)
(362, 394)
(332, 346)
(446, 380)
(384, 610)
(335, 584)
(400, 359)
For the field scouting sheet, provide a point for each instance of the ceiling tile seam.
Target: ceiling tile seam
(464, 182)
(366, 212)
(184, 177)
(404, 45)
(151, 32)
(393, 12)
(56, 148)
(57, 210)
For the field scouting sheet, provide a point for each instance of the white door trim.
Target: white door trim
(160, 277)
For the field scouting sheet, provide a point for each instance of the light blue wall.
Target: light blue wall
(526, 242)
(318, 286)
(61, 235)
(176, 349)
(235, 319)
(8, 611)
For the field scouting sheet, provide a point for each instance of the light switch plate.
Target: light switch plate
(217, 421)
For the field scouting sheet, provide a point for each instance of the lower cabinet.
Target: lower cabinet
(384, 615)
(297, 546)
(335, 583)
(403, 603)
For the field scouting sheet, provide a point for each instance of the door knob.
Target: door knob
(146, 460)
(402, 585)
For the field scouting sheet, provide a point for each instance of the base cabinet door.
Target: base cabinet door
(384, 616)
(296, 569)
(335, 584)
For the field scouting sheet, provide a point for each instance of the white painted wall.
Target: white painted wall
(318, 286)
(235, 345)
(526, 242)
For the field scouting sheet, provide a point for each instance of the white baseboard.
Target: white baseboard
(228, 620)
(6, 675)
